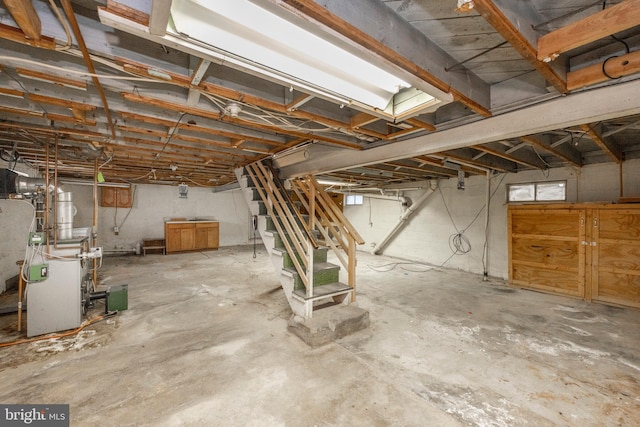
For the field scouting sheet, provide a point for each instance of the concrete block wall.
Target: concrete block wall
(425, 238)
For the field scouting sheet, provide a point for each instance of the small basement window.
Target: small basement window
(555, 191)
(353, 199)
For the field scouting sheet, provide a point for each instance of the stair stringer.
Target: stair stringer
(286, 280)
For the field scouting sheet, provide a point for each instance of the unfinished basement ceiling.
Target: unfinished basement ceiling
(160, 110)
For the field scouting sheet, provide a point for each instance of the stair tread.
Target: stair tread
(318, 266)
(328, 290)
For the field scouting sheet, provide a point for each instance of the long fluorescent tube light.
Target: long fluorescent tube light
(274, 44)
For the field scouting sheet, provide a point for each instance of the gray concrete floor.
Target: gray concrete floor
(204, 343)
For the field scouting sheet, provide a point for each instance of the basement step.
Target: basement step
(324, 291)
(323, 273)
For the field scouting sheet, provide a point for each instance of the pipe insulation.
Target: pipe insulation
(403, 220)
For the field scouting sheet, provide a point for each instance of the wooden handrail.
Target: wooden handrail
(340, 236)
(284, 210)
(337, 212)
(256, 174)
(280, 184)
(332, 223)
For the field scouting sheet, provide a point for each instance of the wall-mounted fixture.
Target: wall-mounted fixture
(460, 179)
(233, 109)
(267, 39)
(183, 189)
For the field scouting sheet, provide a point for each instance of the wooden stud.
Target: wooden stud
(26, 17)
(612, 20)
(16, 35)
(497, 19)
(46, 77)
(574, 159)
(612, 149)
(615, 67)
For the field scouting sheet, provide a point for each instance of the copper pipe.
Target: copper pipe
(68, 10)
(94, 229)
(46, 198)
(55, 196)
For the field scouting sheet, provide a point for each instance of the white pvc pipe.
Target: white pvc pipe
(402, 221)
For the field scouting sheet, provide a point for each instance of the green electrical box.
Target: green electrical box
(117, 298)
(36, 238)
(38, 272)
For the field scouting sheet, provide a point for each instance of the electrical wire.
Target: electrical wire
(392, 265)
(458, 242)
(115, 214)
(64, 24)
(626, 45)
(7, 58)
(62, 335)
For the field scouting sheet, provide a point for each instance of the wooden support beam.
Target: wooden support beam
(160, 11)
(17, 35)
(567, 154)
(11, 92)
(495, 16)
(429, 160)
(147, 100)
(60, 118)
(419, 123)
(26, 17)
(611, 20)
(613, 150)
(510, 157)
(347, 19)
(43, 99)
(463, 156)
(615, 67)
(49, 78)
(363, 119)
(422, 171)
(300, 100)
(130, 13)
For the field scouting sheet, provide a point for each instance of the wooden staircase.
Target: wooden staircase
(298, 242)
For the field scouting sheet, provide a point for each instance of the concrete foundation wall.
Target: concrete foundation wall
(153, 204)
(426, 236)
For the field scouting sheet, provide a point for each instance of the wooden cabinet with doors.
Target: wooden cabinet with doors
(590, 251)
(206, 235)
(115, 197)
(183, 236)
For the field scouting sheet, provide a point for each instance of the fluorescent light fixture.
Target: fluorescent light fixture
(265, 39)
(281, 49)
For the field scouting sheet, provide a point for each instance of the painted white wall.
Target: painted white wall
(426, 236)
(153, 204)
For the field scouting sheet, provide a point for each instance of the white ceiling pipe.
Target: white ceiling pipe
(403, 220)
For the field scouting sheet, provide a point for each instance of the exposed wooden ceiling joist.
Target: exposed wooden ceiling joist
(397, 43)
(612, 20)
(609, 147)
(497, 17)
(26, 17)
